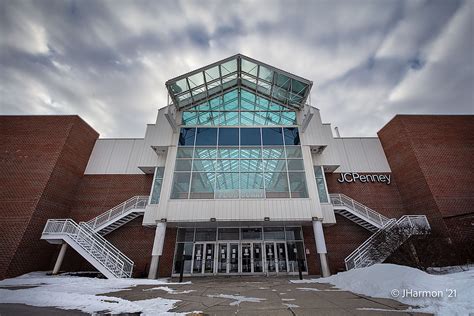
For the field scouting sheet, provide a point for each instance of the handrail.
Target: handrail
(411, 225)
(339, 199)
(136, 202)
(121, 264)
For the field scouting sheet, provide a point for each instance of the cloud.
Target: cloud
(108, 60)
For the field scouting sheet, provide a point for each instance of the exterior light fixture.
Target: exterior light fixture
(163, 220)
(213, 219)
(266, 219)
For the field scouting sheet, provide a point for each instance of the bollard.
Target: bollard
(300, 272)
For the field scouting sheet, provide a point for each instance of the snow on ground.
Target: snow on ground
(170, 290)
(239, 299)
(448, 294)
(69, 292)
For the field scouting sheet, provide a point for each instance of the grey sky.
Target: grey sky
(108, 60)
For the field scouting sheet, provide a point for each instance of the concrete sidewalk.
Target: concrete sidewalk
(264, 296)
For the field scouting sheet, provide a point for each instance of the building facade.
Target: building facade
(237, 176)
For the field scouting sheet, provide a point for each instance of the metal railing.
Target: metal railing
(408, 225)
(95, 245)
(338, 199)
(136, 202)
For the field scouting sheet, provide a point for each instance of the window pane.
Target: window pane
(294, 152)
(273, 233)
(227, 186)
(293, 233)
(232, 153)
(323, 196)
(205, 153)
(318, 173)
(228, 137)
(291, 136)
(205, 234)
(298, 185)
(251, 233)
(206, 137)
(228, 234)
(183, 165)
(202, 185)
(185, 152)
(187, 249)
(251, 186)
(155, 195)
(203, 165)
(273, 153)
(276, 185)
(227, 165)
(186, 137)
(250, 137)
(180, 185)
(274, 165)
(295, 165)
(229, 119)
(185, 234)
(254, 165)
(272, 136)
(250, 153)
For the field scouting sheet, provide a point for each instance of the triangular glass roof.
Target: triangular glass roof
(216, 79)
(238, 106)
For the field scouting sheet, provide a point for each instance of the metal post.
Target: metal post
(181, 268)
(60, 258)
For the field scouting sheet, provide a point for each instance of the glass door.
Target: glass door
(281, 257)
(234, 258)
(246, 258)
(223, 259)
(197, 258)
(270, 257)
(257, 257)
(209, 258)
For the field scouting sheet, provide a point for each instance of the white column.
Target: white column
(157, 249)
(59, 260)
(321, 247)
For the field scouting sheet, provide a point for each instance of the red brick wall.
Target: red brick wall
(99, 193)
(380, 197)
(165, 267)
(431, 157)
(312, 259)
(341, 240)
(43, 159)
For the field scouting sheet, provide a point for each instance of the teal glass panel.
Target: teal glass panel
(205, 153)
(203, 165)
(229, 67)
(273, 152)
(298, 187)
(229, 153)
(274, 165)
(249, 67)
(158, 181)
(183, 165)
(295, 165)
(202, 185)
(318, 172)
(250, 153)
(190, 118)
(180, 188)
(185, 152)
(265, 74)
(212, 74)
(227, 165)
(323, 195)
(254, 165)
(196, 80)
(251, 186)
(227, 186)
(276, 185)
(229, 119)
(187, 136)
(294, 152)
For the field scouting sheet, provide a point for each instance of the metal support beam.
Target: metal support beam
(60, 258)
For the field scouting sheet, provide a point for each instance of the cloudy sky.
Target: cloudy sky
(108, 60)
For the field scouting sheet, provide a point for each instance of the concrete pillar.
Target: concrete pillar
(59, 260)
(321, 247)
(157, 249)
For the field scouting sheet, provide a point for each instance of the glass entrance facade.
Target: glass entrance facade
(250, 250)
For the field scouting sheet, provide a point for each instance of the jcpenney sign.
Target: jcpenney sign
(364, 178)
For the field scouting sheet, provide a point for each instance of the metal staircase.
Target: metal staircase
(86, 237)
(389, 233)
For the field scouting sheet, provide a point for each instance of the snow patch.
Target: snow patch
(291, 305)
(307, 289)
(69, 292)
(238, 299)
(394, 282)
(169, 290)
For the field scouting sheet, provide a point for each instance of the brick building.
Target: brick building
(237, 176)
